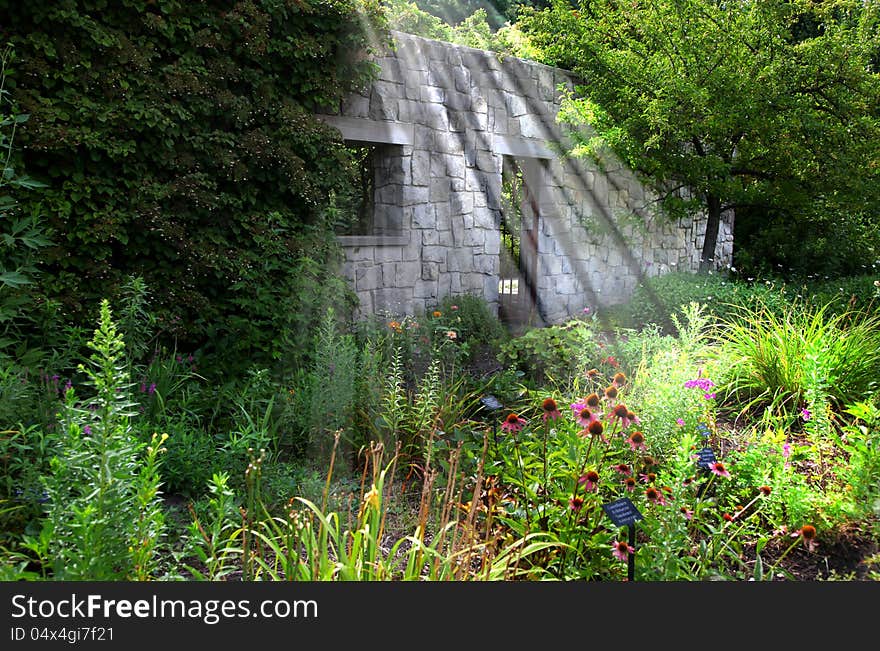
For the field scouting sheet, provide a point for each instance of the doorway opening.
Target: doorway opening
(517, 284)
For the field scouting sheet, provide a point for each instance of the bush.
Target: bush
(557, 353)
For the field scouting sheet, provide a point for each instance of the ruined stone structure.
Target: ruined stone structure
(471, 195)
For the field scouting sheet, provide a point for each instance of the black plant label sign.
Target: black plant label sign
(705, 457)
(490, 402)
(703, 430)
(622, 512)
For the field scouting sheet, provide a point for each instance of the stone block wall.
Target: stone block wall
(447, 115)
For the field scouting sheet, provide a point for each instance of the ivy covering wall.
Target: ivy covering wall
(178, 144)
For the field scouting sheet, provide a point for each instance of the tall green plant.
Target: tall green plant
(804, 358)
(104, 519)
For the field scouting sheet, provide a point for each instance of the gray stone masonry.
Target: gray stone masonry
(447, 115)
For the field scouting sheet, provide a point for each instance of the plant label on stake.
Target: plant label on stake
(703, 430)
(705, 458)
(491, 404)
(624, 513)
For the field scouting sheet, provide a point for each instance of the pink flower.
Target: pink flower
(718, 468)
(590, 480)
(655, 496)
(808, 535)
(513, 423)
(576, 503)
(551, 410)
(688, 513)
(680, 422)
(621, 550)
(585, 417)
(806, 414)
(637, 441)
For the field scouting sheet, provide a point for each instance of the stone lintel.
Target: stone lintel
(523, 147)
(373, 240)
(376, 131)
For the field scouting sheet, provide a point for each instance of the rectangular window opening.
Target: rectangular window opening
(370, 206)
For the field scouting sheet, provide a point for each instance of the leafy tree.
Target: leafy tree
(725, 106)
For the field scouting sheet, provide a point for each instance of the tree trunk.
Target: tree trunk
(713, 221)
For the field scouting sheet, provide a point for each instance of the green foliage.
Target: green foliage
(463, 24)
(861, 442)
(666, 406)
(723, 297)
(471, 319)
(178, 144)
(803, 358)
(556, 353)
(22, 233)
(103, 519)
(718, 106)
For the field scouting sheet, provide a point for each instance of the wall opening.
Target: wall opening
(371, 204)
(518, 281)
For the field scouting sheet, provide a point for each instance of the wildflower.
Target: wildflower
(649, 462)
(589, 480)
(595, 428)
(576, 503)
(679, 422)
(709, 396)
(619, 379)
(765, 490)
(621, 550)
(87, 430)
(593, 372)
(786, 450)
(437, 314)
(688, 513)
(453, 307)
(629, 483)
(513, 423)
(395, 325)
(611, 392)
(718, 468)
(452, 334)
(623, 469)
(636, 441)
(585, 418)
(808, 535)
(586, 310)
(592, 400)
(806, 414)
(727, 517)
(371, 499)
(655, 496)
(551, 410)
(611, 361)
(687, 481)
(648, 477)
(151, 389)
(624, 415)
(703, 383)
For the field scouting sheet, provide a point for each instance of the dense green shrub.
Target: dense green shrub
(178, 143)
(555, 354)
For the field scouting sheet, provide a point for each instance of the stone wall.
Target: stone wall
(446, 115)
